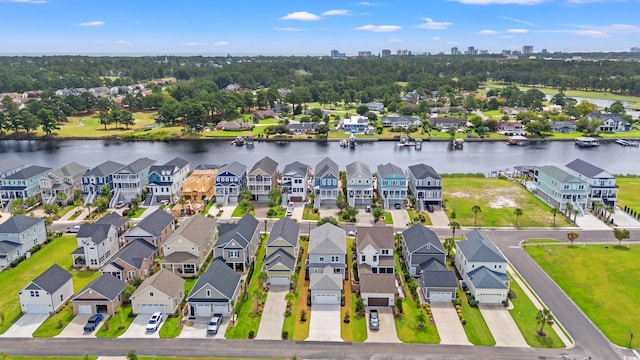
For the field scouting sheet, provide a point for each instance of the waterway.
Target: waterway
(481, 157)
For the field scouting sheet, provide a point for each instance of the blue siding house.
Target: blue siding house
(230, 180)
(392, 185)
(326, 182)
(94, 179)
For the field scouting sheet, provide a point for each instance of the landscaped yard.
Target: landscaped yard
(309, 214)
(356, 329)
(117, 324)
(172, 327)
(607, 293)
(476, 328)
(498, 200)
(629, 192)
(240, 211)
(13, 280)
(413, 214)
(299, 330)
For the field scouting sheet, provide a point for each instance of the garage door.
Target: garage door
(279, 279)
(151, 308)
(221, 309)
(489, 298)
(37, 309)
(436, 296)
(296, 198)
(203, 310)
(375, 301)
(84, 309)
(326, 299)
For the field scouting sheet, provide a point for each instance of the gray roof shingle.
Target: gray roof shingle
(286, 229)
(177, 162)
(135, 253)
(295, 169)
(235, 168)
(419, 237)
(266, 164)
(52, 279)
(326, 166)
(438, 279)
(7, 246)
(585, 168)
(558, 174)
(28, 173)
(483, 278)
(422, 171)
(325, 281)
(241, 233)
(358, 168)
(378, 283)
(479, 248)
(106, 168)
(112, 218)
(280, 257)
(156, 222)
(97, 232)
(380, 237)
(327, 239)
(19, 223)
(165, 281)
(137, 166)
(106, 285)
(219, 276)
(10, 163)
(72, 169)
(388, 169)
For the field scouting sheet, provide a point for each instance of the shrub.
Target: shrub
(271, 212)
(359, 305)
(285, 335)
(473, 302)
(303, 315)
(347, 318)
(398, 304)
(342, 300)
(251, 334)
(457, 302)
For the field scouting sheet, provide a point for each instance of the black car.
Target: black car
(398, 206)
(367, 208)
(430, 208)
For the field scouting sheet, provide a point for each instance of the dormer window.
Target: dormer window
(151, 293)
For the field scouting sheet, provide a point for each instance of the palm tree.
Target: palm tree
(610, 212)
(575, 215)
(476, 209)
(568, 208)
(544, 317)
(554, 212)
(572, 235)
(518, 213)
(454, 225)
(597, 206)
(449, 244)
(444, 203)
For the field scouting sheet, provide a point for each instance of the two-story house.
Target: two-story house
(295, 179)
(215, 291)
(48, 292)
(483, 268)
(133, 261)
(426, 185)
(94, 179)
(155, 229)
(65, 180)
(602, 185)
(359, 184)
(281, 252)
(326, 182)
(237, 243)
(186, 251)
(376, 265)
(165, 181)
(558, 188)
(262, 178)
(129, 181)
(327, 248)
(610, 122)
(10, 165)
(510, 128)
(355, 124)
(230, 179)
(18, 235)
(392, 185)
(22, 184)
(97, 243)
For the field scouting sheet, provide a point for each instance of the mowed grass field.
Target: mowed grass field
(629, 192)
(498, 200)
(600, 280)
(89, 126)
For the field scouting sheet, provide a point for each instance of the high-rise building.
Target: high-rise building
(635, 49)
(506, 52)
(364, 53)
(527, 49)
(455, 51)
(386, 52)
(404, 52)
(472, 50)
(335, 54)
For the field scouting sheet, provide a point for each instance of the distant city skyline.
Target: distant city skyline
(291, 27)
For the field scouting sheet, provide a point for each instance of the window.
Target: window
(150, 293)
(385, 251)
(34, 293)
(375, 258)
(363, 258)
(321, 258)
(335, 258)
(234, 253)
(61, 297)
(208, 293)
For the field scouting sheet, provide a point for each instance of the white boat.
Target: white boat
(586, 142)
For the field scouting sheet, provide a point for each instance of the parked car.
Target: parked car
(353, 233)
(93, 322)
(73, 229)
(367, 208)
(430, 208)
(154, 321)
(398, 206)
(214, 324)
(120, 204)
(374, 320)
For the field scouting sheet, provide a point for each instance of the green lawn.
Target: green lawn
(136, 214)
(117, 324)
(388, 219)
(498, 200)
(248, 319)
(524, 314)
(309, 214)
(171, 328)
(542, 241)
(240, 211)
(629, 192)
(413, 213)
(356, 329)
(13, 280)
(591, 287)
(476, 328)
(89, 126)
(280, 212)
(299, 330)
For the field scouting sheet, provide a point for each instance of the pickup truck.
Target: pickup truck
(374, 321)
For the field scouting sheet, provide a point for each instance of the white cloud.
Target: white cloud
(342, 12)
(190, 44)
(287, 29)
(122, 43)
(487, 32)
(499, 2)
(366, 3)
(379, 28)
(221, 43)
(302, 16)
(434, 25)
(592, 33)
(506, 36)
(517, 20)
(395, 40)
(435, 38)
(517, 31)
(591, 1)
(92, 23)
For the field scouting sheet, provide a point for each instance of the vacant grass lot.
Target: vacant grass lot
(13, 280)
(607, 293)
(498, 199)
(629, 193)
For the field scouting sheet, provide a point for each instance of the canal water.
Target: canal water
(476, 157)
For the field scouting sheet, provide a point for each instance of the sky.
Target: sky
(294, 27)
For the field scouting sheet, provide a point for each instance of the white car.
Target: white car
(155, 321)
(352, 233)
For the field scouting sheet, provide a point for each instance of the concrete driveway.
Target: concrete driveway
(325, 323)
(75, 329)
(364, 218)
(590, 222)
(273, 313)
(624, 220)
(25, 326)
(197, 329)
(439, 218)
(501, 324)
(326, 211)
(387, 332)
(448, 324)
(138, 328)
(400, 217)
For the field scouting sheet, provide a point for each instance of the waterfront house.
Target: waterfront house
(96, 244)
(162, 291)
(133, 261)
(303, 128)
(327, 248)
(602, 185)
(401, 121)
(392, 185)
(237, 243)
(510, 128)
(359, 184)
(101, 296)
(295, 180)
(129, 181)
(154, 228)
(18, 235)
(263, 114)
(610, 122)
(230, 180)
(426, 185)
(558, 188)
(483, 268)
(326, 182)
(186, 251)
(11, 164)
(165, 181)
(65, 180)
(99, 176)
(48, 292)
(445, 122)
(262, 178)
(281, 252)
(563, 127)
(234, 125)
(354, 124)
(214, 291)
(23, 184)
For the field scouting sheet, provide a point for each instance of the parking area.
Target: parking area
(324, 323)
(448, 324)
(273, 313)
(329, 211)
(25, 326)
(624, 220)
(364, 218)
(400, 217)
(138, 328)
(502, 327)
(439, 218)
(590, 222)
(197, 329)
(75, 329)
(387, 332)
